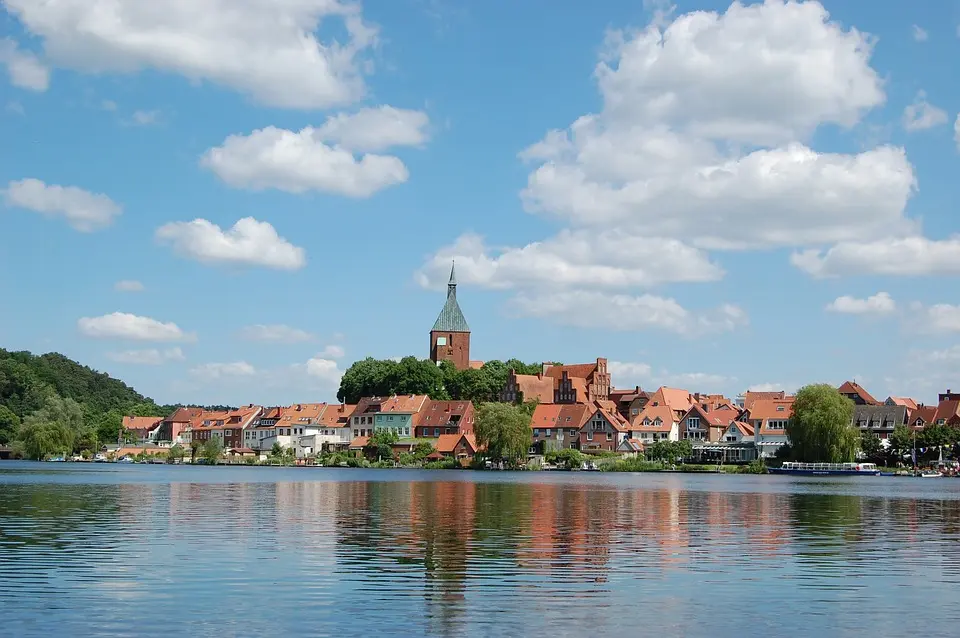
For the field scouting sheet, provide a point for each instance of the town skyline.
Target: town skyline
(783, 215)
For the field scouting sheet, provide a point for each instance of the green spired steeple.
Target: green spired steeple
(451, 317)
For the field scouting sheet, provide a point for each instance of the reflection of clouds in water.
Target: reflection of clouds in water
(299, 551)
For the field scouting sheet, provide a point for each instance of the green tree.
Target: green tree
(176, 453)
(9, 422)
(870, 447)
(366, 378)
(567, 457)
(504, 430)
(821, 428)
(53, 429)
(212, 450)
(901, 443)
(423, 450)
(380, 445)
(417, 376)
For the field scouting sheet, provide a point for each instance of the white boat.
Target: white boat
(930, 474)
(826, 469)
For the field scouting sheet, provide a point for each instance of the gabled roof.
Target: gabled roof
(336, 415)
(653, 412)
(297, 411)
(678, 400)
(447, 443)
(745, 428)
(552, 416)
(576, 370)
(405, 404)
(750, 396)
(852, 387)
(765, 409)
(947, 410)
(609, 417)
(630, 445)
(142, 423)
(184, 415)
(442, 412)
(722, 417)
(451, 318)
(926, 413)
(906, 402)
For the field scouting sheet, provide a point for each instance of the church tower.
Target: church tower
(450, 337)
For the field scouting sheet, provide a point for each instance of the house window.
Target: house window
(536, 431)
(609, 436)
(635, 412)
(406, 431)
(693, 422)
(573, 432)
(547, 432)
(436, 431)
(390, 418)
(356, 432)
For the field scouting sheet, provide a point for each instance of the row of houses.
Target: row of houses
(577, 408)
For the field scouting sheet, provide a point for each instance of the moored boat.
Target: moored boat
(826, 469)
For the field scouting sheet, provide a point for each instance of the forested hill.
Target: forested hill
(28, 381)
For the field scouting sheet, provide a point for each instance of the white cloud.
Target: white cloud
(938, 318)
(298, 162)
(332, 352)
(626, 374)
(680, 104)
(919, 33)
(15, 107)
(277, 333)
(375, 129)
(903, 256)
(571, 258)
(83, 210)
(221, 370)
(122, 325)
(879, 304)
(325, 371)
(950, 354)
(766, 387)
(267, 49)
(24, 68)
(588, 309)
(922, 115)
(249, 242)
(145, 118)
(152, 357)
(129, 285)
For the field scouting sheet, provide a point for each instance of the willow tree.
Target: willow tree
(504, 430)
(821, 428)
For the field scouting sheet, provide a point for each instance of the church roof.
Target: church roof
(451, 318)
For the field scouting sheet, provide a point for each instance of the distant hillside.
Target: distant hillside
(27, 380)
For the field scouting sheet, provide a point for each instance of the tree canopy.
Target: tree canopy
(821, 428)
(28, 383)
(385, 377)
(504, 430)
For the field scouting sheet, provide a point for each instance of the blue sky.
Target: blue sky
(712, 196)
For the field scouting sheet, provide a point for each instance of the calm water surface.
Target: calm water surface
(112, 550)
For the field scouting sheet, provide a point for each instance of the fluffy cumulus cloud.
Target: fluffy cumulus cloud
(83, 210)
(149, 357)
(248, 243)
(129, 285)
(122, 325)
(209, 371)
(571, 258)
(375, 129)
(267, 49)
(299, 161)
(332, 352)
(24, 68)
(275, 333)
(589, 309)
(921, 115)
(326, 372)
(879, 304)
(919, 33)
(937, 318)
(902, 256)
(677, 103)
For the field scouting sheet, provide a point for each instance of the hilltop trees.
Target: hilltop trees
(821, 428)
(385, 377)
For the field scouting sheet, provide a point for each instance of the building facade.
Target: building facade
(450, 336)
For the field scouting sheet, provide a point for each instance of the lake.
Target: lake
(152, 550)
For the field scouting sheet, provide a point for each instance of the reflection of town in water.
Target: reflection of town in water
(448, 550)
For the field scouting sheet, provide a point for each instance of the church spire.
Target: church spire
(452, 284)
(451, 317)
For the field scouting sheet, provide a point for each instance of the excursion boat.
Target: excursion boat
(826, 469)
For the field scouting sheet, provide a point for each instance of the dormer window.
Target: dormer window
(780, 408)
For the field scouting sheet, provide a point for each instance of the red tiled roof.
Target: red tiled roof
(678, 400)
(652, 413)
(633, 444)
(359, 443)
(906, 402)
(745, 428)
(335, 414)
(925, 412)
(141, 423)
(475, 365)
(852, 387)
(293, 413)
(580, 370)
(764, 409)
(436, 413)
(184, 415)
(749, 397)
(946, 410)
(407, 403)
(615, 421)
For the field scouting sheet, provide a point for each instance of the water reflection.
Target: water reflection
(448, 558)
